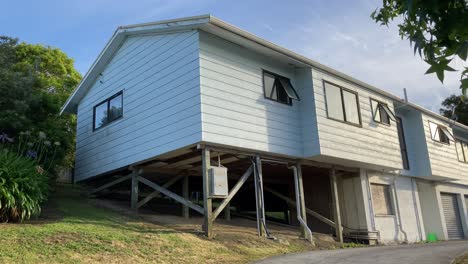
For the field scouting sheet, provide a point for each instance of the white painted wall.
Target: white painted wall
(159, 76)
(234, 109)
(372, 144)
(408, 208)
(431, 209)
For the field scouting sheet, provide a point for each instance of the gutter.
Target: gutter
(221, 24)
(262, 42)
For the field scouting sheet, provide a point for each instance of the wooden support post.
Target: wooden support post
(336, 205)
(207, 202)
(134, 191)
(259, 196)
(301, 195)
(185, 193)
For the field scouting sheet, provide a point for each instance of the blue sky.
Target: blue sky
(339, 34)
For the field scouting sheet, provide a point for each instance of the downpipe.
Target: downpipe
(416, 208)
(308, 232)
(397, 205)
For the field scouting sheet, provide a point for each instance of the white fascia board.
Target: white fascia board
(70, 105)
(206, 22)
(116, 41)
(226, 26)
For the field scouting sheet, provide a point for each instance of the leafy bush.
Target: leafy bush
(23, 187)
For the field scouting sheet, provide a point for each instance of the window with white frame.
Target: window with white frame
(462, 150)
(278, 88)
(381, 199)
(381, 113)
(342, 104)
(440, 133)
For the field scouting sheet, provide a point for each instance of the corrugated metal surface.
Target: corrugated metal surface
(452, 216)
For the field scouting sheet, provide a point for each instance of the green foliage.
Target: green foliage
(437, 29)
(23, 187)
(35, 81)
(455, 107)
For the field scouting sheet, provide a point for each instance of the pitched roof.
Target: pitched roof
(225, 30)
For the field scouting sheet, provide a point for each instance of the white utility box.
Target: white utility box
(219, 181)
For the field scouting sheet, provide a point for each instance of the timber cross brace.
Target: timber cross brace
(209, 213)
(256, 170)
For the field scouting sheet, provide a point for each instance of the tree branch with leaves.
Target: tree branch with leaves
(437, 30)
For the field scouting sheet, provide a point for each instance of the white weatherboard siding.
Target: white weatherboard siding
(234, 110)
(463, 135)
(443, 157)
(409, 210)
(159, 76)
(373, 144)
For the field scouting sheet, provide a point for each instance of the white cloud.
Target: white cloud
(354, 44)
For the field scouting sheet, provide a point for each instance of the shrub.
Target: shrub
(23, 187)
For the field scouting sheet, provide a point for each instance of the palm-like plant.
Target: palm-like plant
(23, 187)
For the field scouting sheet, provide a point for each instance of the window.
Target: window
(381, 112)
(108, 110)
(401, 138)
(278, 88)
(440, 133)
(381, 199)
(462, 150)
(342, 104)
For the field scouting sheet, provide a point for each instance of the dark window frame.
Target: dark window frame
(342, 104)
(402, 140)
(381, 110)
(107, 101)
(440, 128)
(279, 77)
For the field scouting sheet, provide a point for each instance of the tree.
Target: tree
(35, 81)
(454, 107)
(437, 29)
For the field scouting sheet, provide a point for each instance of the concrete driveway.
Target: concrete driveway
(436, 253)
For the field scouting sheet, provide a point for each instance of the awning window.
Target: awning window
(278, 88)
(381, 112)
(440, 133)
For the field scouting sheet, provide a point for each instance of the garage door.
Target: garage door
(452, 216)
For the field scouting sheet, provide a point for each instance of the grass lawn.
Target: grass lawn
(73, 230)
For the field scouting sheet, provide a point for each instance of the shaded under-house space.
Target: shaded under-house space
(260, 188)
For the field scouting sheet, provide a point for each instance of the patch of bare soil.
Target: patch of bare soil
(238, 232)
(61, 238)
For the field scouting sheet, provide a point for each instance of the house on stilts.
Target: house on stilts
(249, 126)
